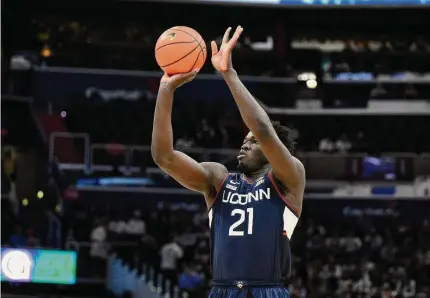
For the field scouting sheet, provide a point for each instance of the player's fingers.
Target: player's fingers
(189, 79)
(235, 37)
(186, 77)
(181, 79)
(165, 77)
(214, 48)
(226, 35)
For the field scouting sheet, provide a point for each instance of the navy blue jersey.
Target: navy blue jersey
(251, 224)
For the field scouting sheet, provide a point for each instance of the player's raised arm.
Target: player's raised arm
(198, 177)
(286, 168)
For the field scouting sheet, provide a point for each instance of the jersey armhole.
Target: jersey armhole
(275, 186)
(218, 191)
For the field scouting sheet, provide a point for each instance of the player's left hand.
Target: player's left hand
(221, 59)
(176, 81)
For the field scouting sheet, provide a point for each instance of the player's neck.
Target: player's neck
(257, 174)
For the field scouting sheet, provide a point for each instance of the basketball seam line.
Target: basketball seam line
(201, 48)
(180, 42)
(199, 42)
(192, 67)
(181, 57)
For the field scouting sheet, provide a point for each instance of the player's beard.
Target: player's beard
(242, 168)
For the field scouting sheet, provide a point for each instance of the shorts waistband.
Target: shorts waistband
(246, 283)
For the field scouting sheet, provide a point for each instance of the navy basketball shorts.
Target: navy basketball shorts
(249, 292)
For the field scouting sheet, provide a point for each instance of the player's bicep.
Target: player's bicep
(199, 177)
(188, 172)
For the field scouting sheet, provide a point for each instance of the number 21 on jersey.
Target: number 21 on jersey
(237, 228)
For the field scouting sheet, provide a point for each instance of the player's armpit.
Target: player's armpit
(218, 175)
(191, 174)
(294, 194)
(288, 169)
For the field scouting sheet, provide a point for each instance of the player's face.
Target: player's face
(250, 157)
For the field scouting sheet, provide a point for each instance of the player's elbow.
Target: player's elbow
(263, 129)
(160, 157)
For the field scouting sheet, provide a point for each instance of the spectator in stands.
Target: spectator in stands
(187, 238)
(99, 247)
(170, 253)
(409, 289)
(351, 243)
(191, 282)
(136, 227)
(184, 142)
(343, 144)
(117, 226)
(326, 145)
(378, 92)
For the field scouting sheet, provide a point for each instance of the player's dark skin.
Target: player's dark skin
(262, 150)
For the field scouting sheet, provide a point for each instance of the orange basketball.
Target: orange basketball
(180, 50)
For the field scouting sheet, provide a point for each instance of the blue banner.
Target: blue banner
(104, 85)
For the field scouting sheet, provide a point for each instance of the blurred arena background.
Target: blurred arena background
(82, 198)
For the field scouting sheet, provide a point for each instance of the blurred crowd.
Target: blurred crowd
(219, 125)
(127, 44)
(275, 46)
(360, 257)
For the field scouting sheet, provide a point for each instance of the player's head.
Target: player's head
(251, 157)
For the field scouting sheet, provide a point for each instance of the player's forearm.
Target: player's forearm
(162, 133)
(254, 116)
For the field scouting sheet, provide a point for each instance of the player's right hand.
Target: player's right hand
(221, 59)
(178, 80)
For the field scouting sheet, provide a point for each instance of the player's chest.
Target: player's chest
(245, 195)
(248, 210)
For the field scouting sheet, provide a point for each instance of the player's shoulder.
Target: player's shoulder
(217, 172)
(214, 167)
(299, 168)
(299, 185)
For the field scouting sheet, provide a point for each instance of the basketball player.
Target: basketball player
(252, 213)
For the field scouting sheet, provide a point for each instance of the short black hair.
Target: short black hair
(283, 133)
